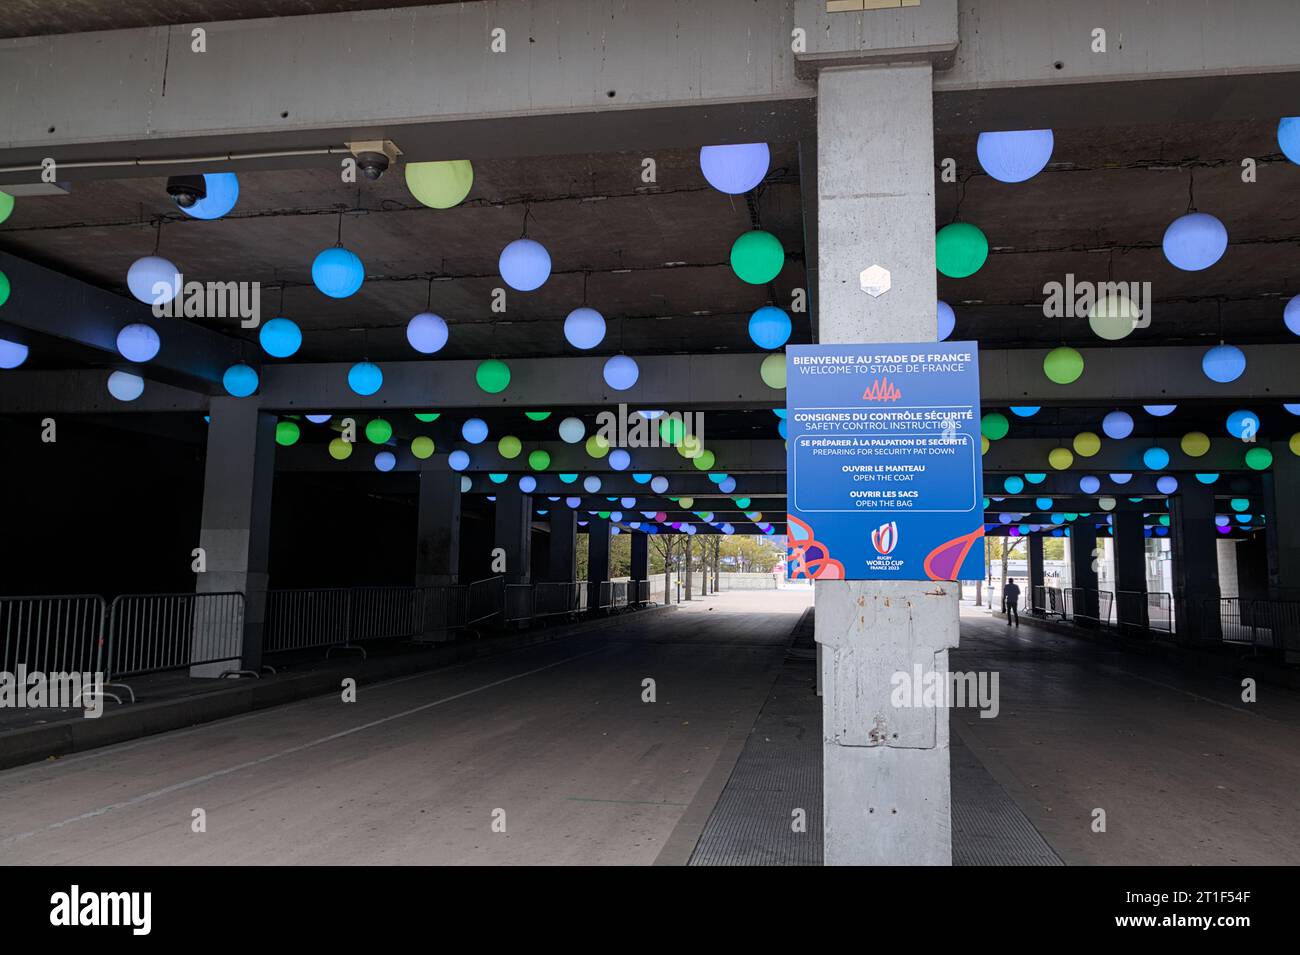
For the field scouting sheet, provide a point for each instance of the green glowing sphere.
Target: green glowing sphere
(772, 371)
(994, 426)
(4, 288)
(340, 450)
(1259, 459)
(597, 446)
(672, 430)
(757, 257)
(493, 376)
(378, 431)
(1239, 504)
(539, 460)
(509, 446)
(741, 502)
(704, 460)
(427, 416)
(440, 185)
(1063, 365)
(286, 433)
(6, 206)
(960, 249)
(537, 415)
(422, 447)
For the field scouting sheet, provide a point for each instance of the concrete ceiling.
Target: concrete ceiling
(41, 18)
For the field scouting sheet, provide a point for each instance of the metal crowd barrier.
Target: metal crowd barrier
(1270, 624)
(551, 599)
(605, 595)
(306, 618)
(618, 594)
(52, 634)
(519, 603)
(1093, 606)
(1047, 601)
(487, 599)
(150, 633)
(642, 591)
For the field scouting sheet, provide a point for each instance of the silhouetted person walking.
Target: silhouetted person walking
(1011, 601)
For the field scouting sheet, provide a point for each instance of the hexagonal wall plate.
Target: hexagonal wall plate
(875, 280)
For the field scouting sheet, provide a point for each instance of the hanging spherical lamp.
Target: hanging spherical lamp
(1060, 458)
(474, 430)
(239, 380)
(222, 193)
(1014, 155)
(6, 206)
(1117, 424)
(153, 280)
(1207, 478)
(440, 185)
(385, 461)
(509, 447)
(426, 333)
(584, 328)
(621, 372)
(1013, 484)
(757, 257)
(947, 321)
(591, 484)
(572, 430)
(125, 386)
(339, 449)
(422, 447)
(769, 327)
(492, 376)
(1166, 484)
(337, 272)
(960, 250)
(1259, 459)
(12, 354)
(1106, 503)
(735, 169)
(458, 460)
(994, 426)
(659, 484)
(378, 431)
(1195, 241)
(597, 446)
(280, 338)
(1113, 316)
(287, 433)
(1063, 365)
(1159, 411)
(539, 460)
(619, 459)
(1121, 478)
(1089, 484)
(524, 265)
(365, 378)
(1156, 459)
(772, 371)
(138, 342)
(1288, 138)
(1086, 444)
(1025, 411)
(1195, 443)
(1243, 424)
(528, 484)
(1223, 363)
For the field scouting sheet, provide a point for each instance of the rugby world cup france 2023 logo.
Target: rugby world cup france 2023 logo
(884, 539)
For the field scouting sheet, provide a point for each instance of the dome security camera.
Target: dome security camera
(374, 156)
(185, 191)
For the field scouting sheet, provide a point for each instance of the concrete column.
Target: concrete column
(1036, 576)
(437, 531)
(1251, 567)
(1281, 494)
(238, 473)
(562, 564)
(640, 556)
(1130, 570)
(513, 533)
(1083, 552)
(887, 795)
(1195, 562)
(690, 569)
(597, 558)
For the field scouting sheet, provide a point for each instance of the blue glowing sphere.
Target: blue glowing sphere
(573, 502)
(1117, 424)
(1195, 241)
(475, 431)
(280, 337)
(641, 478)
(1089, 484)
(125, 386)
(240, 381)
(223, 193)
(769, 327)
(1223, 363)
(591, 484)
(385, 461)
(1207, 478)
(1035, 477)
(138, 342)
(1159, 411)
(781, 428)
(727, 486)
(621, 372)
(337, 272)
(1290, 409)
(1291, 315)
(659, 484)
(427, 333)
(572, 430)
(458, 461)
(1157, 459)
(1167, 484)
(947, 321)
(1014, 485)
(1222, 520)
(12, 354)
(1015, 155)
(1162, 531)
(1043, 503)
(1288, 137)
(528, 484)
(584, 328)
(524, 265)
(318, 418)
(1243, 424)
(737, 168)
(628, 502)
(1025, 411)
(153, 280)
(619, 459)
(365, 378)
(650, 415)
(465, 483)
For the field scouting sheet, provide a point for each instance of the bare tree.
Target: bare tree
(664, 547)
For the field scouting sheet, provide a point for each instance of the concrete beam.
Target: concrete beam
(1018, 455)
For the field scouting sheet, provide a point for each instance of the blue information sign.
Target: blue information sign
(884, 476)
